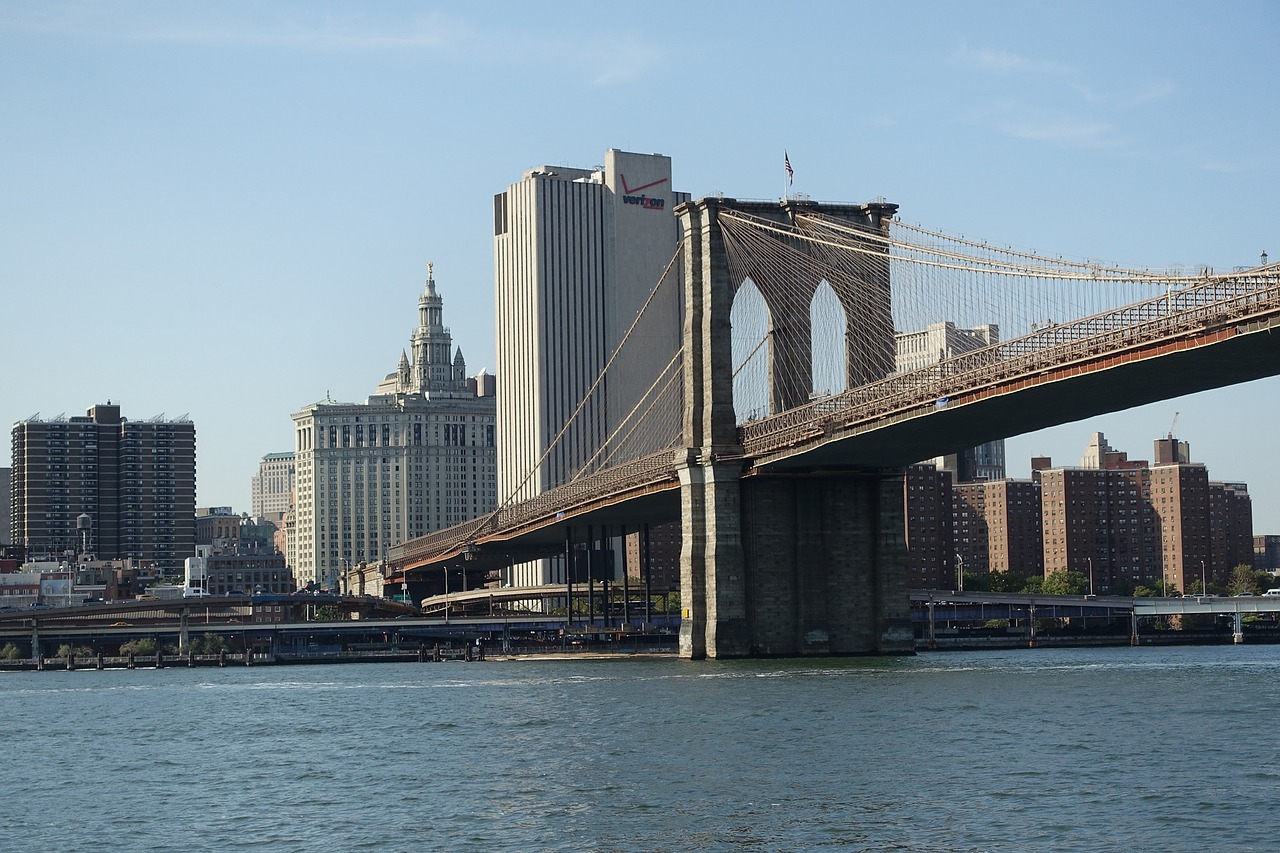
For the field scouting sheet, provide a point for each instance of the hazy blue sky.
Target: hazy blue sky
(226, 209)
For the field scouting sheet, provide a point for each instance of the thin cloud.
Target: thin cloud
(218, 25)
(1069, 131)
(604, 59)
(1002, 62)
(1054, 103)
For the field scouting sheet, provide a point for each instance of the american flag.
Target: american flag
(786, 165)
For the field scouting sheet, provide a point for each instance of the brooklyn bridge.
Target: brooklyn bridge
(777, 432)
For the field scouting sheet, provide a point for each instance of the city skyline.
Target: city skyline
(236, 202)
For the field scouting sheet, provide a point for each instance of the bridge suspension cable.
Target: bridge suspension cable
(620, 444)
(972, 293)
(613, 451)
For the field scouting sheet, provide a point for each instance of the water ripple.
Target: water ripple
(1055, 750)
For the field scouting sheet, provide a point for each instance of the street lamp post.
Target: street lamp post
(1090, 575)
(959, 573)
(1204, 586)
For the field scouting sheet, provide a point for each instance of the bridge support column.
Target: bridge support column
(777, 563)
(787, 565)
(713, 617)
(713, 612)
(825, 562)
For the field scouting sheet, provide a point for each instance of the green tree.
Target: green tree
(993, 582)
(328, 613)
(10, 652)
(67, 649)
(1005, 582)
(1245, 579)
(144, 646)
(1156, 589)
(1240, 580)
(1065, 582)
(1033, 585)
(209, 644)
(1122, 586)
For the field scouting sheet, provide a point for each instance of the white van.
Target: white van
(1275, 593)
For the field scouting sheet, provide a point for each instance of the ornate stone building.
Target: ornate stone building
(416, 456)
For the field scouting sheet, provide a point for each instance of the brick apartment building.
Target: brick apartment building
(134, 480)
(1120, 523)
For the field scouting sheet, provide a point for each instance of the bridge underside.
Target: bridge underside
(547, 539)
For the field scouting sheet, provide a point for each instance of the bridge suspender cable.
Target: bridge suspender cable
(582, 404)
(630, 423)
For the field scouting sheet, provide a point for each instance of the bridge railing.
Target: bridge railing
(654, 469)
(1216, 301)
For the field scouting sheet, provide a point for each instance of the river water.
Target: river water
(1167, 749)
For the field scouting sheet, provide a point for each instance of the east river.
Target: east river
(1168, 749)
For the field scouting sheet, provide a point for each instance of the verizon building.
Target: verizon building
(577, 253)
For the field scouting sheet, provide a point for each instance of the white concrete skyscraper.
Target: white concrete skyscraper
(577, 252)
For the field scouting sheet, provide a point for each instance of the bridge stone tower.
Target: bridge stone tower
(785, 563)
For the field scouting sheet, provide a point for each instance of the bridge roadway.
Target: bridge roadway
(1065, 373)
(224, 606)
(124, 620)
(499, 619)
(930, 606)
(971, 603)
(374, 621)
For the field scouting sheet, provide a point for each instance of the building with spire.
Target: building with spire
(418, 455)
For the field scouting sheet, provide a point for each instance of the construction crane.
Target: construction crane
(1173, 427)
